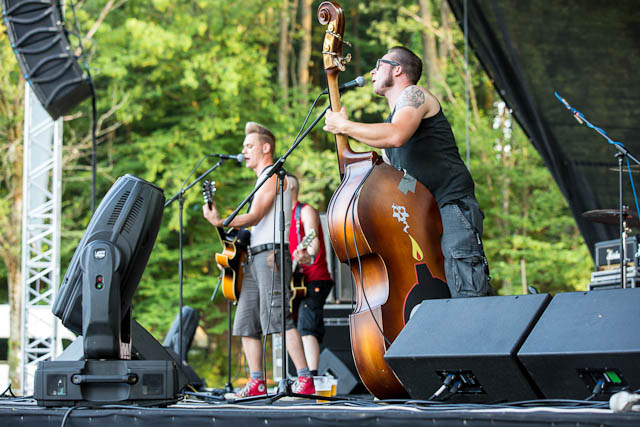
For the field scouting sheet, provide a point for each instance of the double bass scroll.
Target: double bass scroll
(387, 227)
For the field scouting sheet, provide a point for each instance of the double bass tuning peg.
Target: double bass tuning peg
(340, 61)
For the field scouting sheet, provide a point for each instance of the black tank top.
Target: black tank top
(431, 156)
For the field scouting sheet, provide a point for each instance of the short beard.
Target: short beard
(386, 83)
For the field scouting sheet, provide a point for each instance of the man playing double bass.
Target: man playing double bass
(417, 138)
(260, 304)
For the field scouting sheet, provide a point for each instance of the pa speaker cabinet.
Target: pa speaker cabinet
(475, 339)
(38, 39)
(584, 337)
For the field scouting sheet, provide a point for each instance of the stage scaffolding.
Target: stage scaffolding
(42, 182)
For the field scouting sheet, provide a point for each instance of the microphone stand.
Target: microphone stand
(180, 197)
(622, 153)
(284, 388)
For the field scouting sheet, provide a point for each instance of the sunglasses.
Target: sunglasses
(386, 61)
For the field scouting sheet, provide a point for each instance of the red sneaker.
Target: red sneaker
(253, 388)
(304, 385)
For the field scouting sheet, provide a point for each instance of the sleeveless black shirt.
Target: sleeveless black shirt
(431, 156)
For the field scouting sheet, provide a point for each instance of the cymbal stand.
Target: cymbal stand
(623, 225)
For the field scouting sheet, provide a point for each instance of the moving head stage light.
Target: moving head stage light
(95, 301)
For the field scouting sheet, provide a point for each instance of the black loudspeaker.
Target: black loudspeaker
(476, 340)
(41, 46)
(331, 364)
(336, 358)
(190, 319)
(582, 338)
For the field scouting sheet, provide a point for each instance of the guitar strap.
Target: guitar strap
(296, 215)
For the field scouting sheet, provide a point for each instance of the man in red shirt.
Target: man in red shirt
(313, 263)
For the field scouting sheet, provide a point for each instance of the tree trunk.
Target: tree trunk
(446, 39)
(356, 45)
(11, 163)
(430, 70)
(293, 21)
(283, 51)
(15, 321)
(305, 46)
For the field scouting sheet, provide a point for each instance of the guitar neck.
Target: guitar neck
(221, 233)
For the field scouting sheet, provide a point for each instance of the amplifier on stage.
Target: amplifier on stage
(610, 279)
(608, 254)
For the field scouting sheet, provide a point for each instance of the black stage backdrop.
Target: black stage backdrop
(587, 51)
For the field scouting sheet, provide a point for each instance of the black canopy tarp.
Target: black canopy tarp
(587, 51)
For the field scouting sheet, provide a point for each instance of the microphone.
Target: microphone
(357, 82)
(237, 157)
(574, 112)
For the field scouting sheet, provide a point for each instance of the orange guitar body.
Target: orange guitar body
(234, 251)
(231, 260)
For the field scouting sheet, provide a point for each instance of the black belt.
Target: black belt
(265, 247)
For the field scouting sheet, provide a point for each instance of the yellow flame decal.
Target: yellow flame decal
(415, 249)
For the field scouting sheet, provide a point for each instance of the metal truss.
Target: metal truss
(42, 182)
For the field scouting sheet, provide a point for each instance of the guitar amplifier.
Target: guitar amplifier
(610, 279)
(608, 254)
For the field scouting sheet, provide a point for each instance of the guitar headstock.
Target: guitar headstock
(208, 191)
(331, 13)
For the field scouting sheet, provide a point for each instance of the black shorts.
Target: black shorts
(310, 316)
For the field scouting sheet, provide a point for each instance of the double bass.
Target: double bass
(386, 225)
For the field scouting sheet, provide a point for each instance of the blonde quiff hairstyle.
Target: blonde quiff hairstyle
(265, 135)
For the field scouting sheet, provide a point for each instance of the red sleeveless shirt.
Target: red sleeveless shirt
(318, 270)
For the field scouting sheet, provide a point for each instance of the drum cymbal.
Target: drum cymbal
(634, 169)
(610, 216)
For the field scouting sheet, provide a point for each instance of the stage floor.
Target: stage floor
(354, 412)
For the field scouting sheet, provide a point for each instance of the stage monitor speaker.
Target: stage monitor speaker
(331, 364)
(42, 49)
(582, 338)
(190, 319)
(336, 358)
(475, 339)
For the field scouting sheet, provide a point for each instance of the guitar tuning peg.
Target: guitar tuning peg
(347, 43)
(348, 57)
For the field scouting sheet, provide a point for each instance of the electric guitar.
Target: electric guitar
(234, 251)
(298, 287)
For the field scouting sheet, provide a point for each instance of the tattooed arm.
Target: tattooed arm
(413, 104)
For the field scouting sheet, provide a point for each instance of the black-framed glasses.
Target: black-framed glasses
(386, 61)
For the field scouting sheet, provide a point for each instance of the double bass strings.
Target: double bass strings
(355, 242)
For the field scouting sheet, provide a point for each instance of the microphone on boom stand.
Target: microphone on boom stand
(357, 82)
(238, 157)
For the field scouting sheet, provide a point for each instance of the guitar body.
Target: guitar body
(234, 251)
(230, 261)
(298, 286)
(298, 291)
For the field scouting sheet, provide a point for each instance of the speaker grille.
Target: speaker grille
(131, 218)
(118, 208)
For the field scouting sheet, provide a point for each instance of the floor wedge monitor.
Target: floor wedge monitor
(469, 345)
(584, 339)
